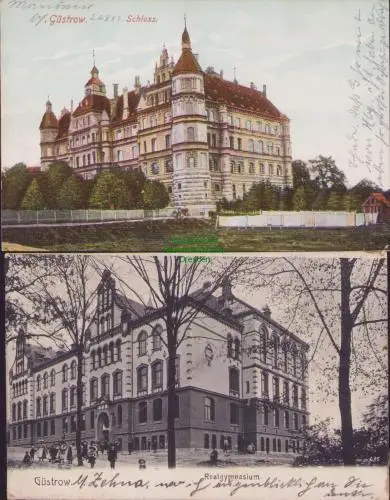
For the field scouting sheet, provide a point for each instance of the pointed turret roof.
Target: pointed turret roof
(187, 62)
(49, 119)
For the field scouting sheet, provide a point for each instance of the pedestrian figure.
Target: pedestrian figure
(142, 463)
(214, 457)
(149, 444)
(27, 459)
(69, 455)
(154, 446)
(226, 446)
(41, 453)
(112, 455)
(251, 448)
(92, 456)
(32, 453)
(130, 446)
(85, 450)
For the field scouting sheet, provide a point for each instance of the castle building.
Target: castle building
(204, 137)
(240, 376)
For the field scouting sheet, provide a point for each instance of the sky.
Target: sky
(325, 64)
(321, 382)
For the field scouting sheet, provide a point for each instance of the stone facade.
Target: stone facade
(204, 137)
(240, 375)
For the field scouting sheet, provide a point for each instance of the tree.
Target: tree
(177, 299)
(33, 199)
(335, 201)
(363, 189)
(109, 192)
(135, 181)
(326, 174)
(53, 178)
(301, 174)
(321, 200)
(341, 300)
(299, 199)
(63, 316)
(70, 195)
(155, 195)
(351, 203)
(286, 199)
(15, 182)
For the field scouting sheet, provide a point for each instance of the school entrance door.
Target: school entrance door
(103, 427)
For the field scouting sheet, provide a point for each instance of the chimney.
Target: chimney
(137, 84)
(116, 85)
(265, 90)
(71, 106)
(226, 289)
(125, 113)
(221, 73)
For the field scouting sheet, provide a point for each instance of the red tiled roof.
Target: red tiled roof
(237, 96)
(380, 198)
(133, 100)
(187, 63)
(185, 38)
(93, 80)
(49, 120)
(63, 125)
(93, 102)
(34, 170)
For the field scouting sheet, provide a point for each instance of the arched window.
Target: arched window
(19, 411)
(157, 375)
(99, 357)
(73, 370)
(262, 444)
(157, 409)
(13, 412)
(285, 357)
(142, 412)
(53, 378)
(52, 402)
(190, 134)
(276, 417)
(229, 346)
(270, 148)
(44, 404)
(45, 380)
(142, 343)
(260, 147)
(237, 348)
(142, 378)
(105, 357)
(294, 360)
(118, 344)
(117, 382)
(25, 409)
(209, 409)
(65, 373)
(234, 381)
(250, 146)
(156, 337)
(120, 417)
(38, 407)
(93, 358)
(286, 419)
(274, 345)
(279, 170)
(93, 389)
(38, 384)
(265, 385)
(111, 353)
(73, 396)
(206, 441)
(191, 162)
(105, 386)
(65, 400)
(295, 395)
(303, 399)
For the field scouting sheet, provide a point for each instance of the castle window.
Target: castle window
(142, 378)
(276, 417)
(65, 373)
(119, 155)
(142, 343)
(264, 385)
(45, 380)
(271, 169)
(278, 151)
(234, 191)
(206, 441)
(38, 384)
(252, 168)
(157, 375)
(25, 409)
(52, 402)
(142, 412)
(73, 370)
(279, 170)
(250, 146)
(117, 382)
(214, 138)
(237, 122)
(120, 416)
(83, 160)
(234, 381)
(157, 409)
(13, 412)
(303, 399)
(216, 187)
(237, 348)
(105, 386)
(167, 141)
(260, 147)
(191, 162)
(19, 411)
(231, 141)
(38, 407)
(190, 134)
(295, 396)
(145, 147)
(249, 125)
(154, 143)
(118, 350)
(65, 400)
(155, 169)
(270, 148)
(229, 346)
(77, 161)
(93, 389)
(99, 357)
(266, 419)
(234, 413)
(296, 421)
(209, 409)
(156, 338)
(239, 144)
(44, 405)
(243, 189)
(286, 393)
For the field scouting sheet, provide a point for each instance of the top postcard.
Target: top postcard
(199, 127)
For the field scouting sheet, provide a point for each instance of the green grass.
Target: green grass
(195, 236)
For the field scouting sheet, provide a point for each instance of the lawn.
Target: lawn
(195, 236)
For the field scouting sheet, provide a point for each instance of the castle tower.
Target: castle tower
(48, 131)
(94, 85)
(191, 174)
(163, 70)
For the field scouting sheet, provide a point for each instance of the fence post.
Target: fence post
(37, 216)
(55, 215)
(86, 215)
(18, 217)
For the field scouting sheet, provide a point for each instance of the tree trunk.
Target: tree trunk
(345, 366)
(79, 415)
(171, 407)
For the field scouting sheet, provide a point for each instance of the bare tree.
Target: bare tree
(60, 301)
(175, 288)
(340, 299)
